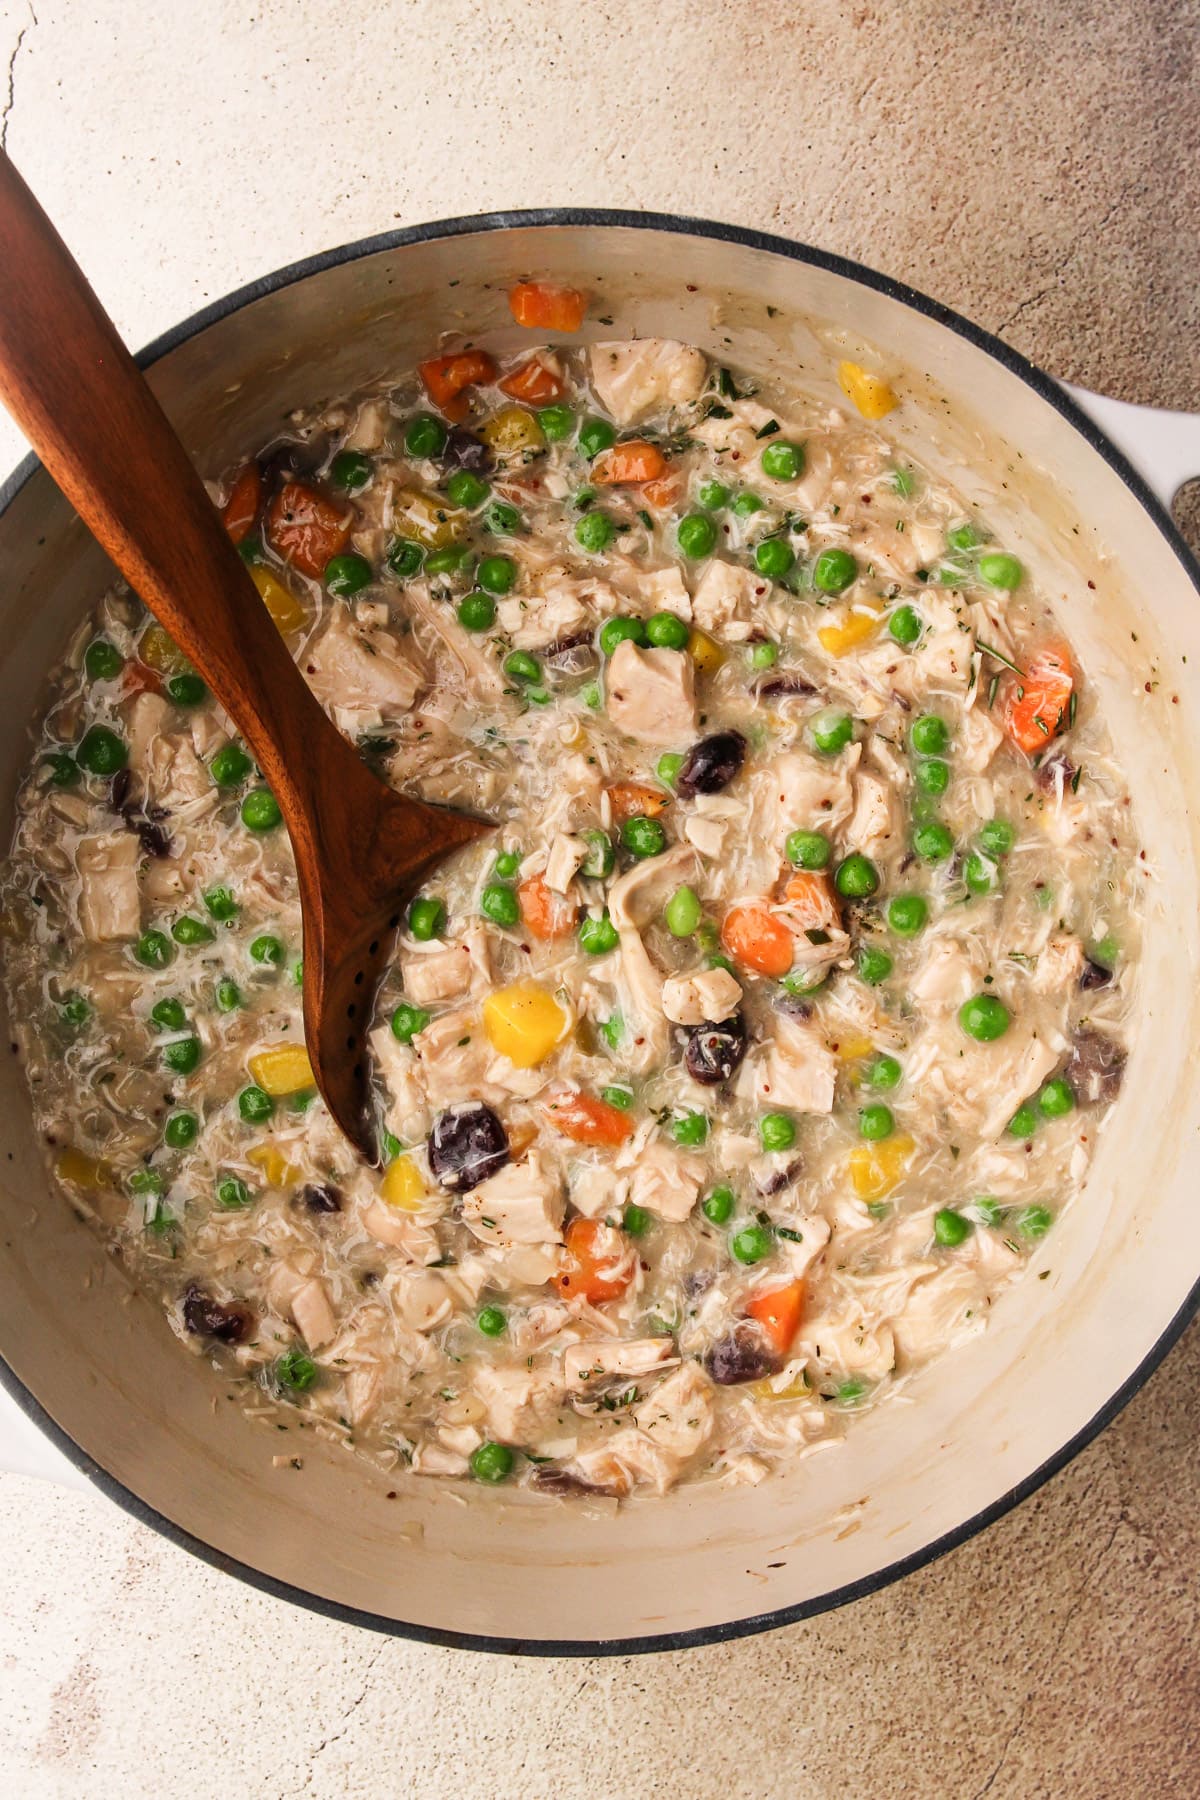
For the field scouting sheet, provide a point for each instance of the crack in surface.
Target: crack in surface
(342, 1724)
(1092, 229)
(11, 78)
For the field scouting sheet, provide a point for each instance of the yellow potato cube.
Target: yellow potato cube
(853, 1049)
(431, 522)
(524, 1023)
(82, 1170)
(277, 1171)
(870, 393)
(513, 433)
(875, 1169)
(159, 651)
(282, 1069)
(402, 1185)
(707, 654)
(286, 610)
(856, 628)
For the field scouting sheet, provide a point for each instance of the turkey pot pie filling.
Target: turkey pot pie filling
(734, 1075)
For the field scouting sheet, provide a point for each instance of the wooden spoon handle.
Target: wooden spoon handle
(76, 392)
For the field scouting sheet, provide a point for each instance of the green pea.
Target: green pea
(601, 858)
(620, 1097)
(668, 766)
(752, 1243)
(904, 482)
(260, 810)
(254, 1105)
(522, 667)
(696, 535)
(1024, 1122)
(963, 537)
(763, 656)
(221, 904)
(348, 573)
(884, 1073)
(1034, 1221)
(424, 436)
(189, 930)
(999, 570)
(834, 571)
(296, 1371)
(267, 949)
(100, 751)
(850, 1392)
(407, 1021)
(667, 631)
(498, 902)
(477, 612)
(187, 690)
(492, 1463)
(643, 837)
(613, 1028)
(905, 625)
(597, 936)
(182, 1055)
(230, 766)
(595, 532)
(718, 1206)
(74, 1011)
(451, 559)
(180, 1130)
(636, 1221)
(467, 490)
(557, 423)
(950, 1228)
(507, 864)
(1056, 1099)
(232, 1194)
(168, 1015)
(929, 735)
(984, 1017)
(350, 470)
(153, 950)
(228, 995)
(102, 661)
(933, 842)
(979, 874)
(776, 1131)
(990, 1210)
(713, 495)
(997, 837)
(807, 849)
(250, 549)
(876, 1123)
(856, 877)
(147, 1181)
(1106, 952)
(426, 918)
(683, 912)
(746, 505)
(492, 1321)
(497, 574)
(619, 630)
(596, 435)
(907, 914)
(774, 557)
(691, 1129)
(64, 770)
(932, 777)
(783, 461)
(502, 519)
(831, 730)
(873, 965)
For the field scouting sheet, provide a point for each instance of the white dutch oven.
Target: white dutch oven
(109, 1385)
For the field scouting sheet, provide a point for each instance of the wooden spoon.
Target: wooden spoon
(361, 849)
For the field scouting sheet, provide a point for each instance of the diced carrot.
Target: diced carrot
(631, 462)
(136, 678)
(545, 306)
(809, 897)
(543, 912)
(598, 1264)
(1037, 703)
(307, 529)
(537, 381)
(754, 936)
(629, 799)
(663, 492)
(245, 497)
(586, 1120)
(446, 377)
(778, 1311)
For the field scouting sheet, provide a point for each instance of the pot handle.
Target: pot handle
(26, 1450)
(1163, 446)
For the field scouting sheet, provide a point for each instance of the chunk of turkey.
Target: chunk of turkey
(950, 974)
(523, 1204)
(798, 1071)
(313, 1314)
(800, 791)
(978, 740)
(646, 375)
(639, 986)
(587, 1365)
(639, 894)
(625, 1458)
(110, 907)
(563, 607)
(679, 1414)
(703, 998)
(566, 858)
(521, 1402)
(666, 1182)
(651, 694)
(727, 598)
(872, 824)
(446, 973)
(360, 673)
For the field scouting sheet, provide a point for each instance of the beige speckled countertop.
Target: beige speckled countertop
(1039, 169)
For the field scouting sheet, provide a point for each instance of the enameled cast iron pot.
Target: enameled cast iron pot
(974, 1434)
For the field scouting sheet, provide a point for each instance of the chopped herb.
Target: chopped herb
(768, 430)
(989, 650)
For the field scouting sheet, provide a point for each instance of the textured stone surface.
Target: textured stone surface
(1039, 169)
